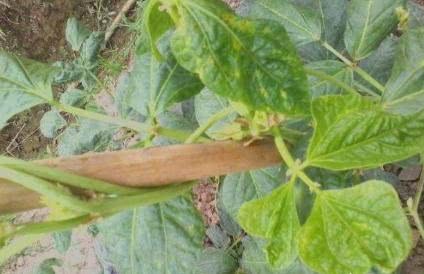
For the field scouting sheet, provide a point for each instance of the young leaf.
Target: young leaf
(23, 84)
(354, 132)
(91, 47)
(76, 33)
(302, 24)
(264, 71)
(354, 229)
(336, 69)
(242, 187)
(274, 218)
(254, 261)
(153, 86)
(368, 24)
(51, 123)
(74, 97)
(404, 92)
(207, 104)
(164, 238)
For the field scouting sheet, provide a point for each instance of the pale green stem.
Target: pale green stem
(356, 68)
(56, 175)
(208, 124)
(17, 246)
(177, 135)
(324, 76)
(101, 117)
(45, 188)
(293, 166)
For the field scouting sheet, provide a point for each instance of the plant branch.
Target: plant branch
(101, 117)
(208, 124)
(356, 68)
(295, 168)
(324, 76)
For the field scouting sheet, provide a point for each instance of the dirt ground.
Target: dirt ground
(26, 23)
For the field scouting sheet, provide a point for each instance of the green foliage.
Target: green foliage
(366, 225)
(352, 104)
(164, 238)
(23, 84)
(355, 132)
(230, 56)
(404, 92)
(62, 240)
(368, 24)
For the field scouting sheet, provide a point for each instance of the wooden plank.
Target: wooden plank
(151, 167)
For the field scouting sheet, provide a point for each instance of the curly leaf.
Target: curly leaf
(355, 132)
(249, 61)
(354, 229)
(47, 266)
(164, 238)
(404, 92)
(368, 24)
(274, 218)
(303, 25)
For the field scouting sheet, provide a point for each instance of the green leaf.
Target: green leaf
(154, 86)
(254, 261)
(76, 33)
(368, 24)
(91, 48)
(62, 241)
(216, 261)
(303, 25)
(46, 267)
(336, 69)
(155, 24)
(206, 105)
(264, 71)
(404, 93)
(74, 97)
(23, 84)
(274, 218)
(218, 237)
(164, 238)
(355, 132)
(87, 135)
(51, 123)
(379, 63)
(242, 187)
(354, 229)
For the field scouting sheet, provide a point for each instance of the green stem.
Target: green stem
(45, 188)
(17, 246)
(208, 124)
(329, 78)
(177, 135)
(66, 178)
(356, 68)
(295, 168)
(155, 195)
(101, 117)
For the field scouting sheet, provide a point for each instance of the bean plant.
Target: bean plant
(338, 85)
